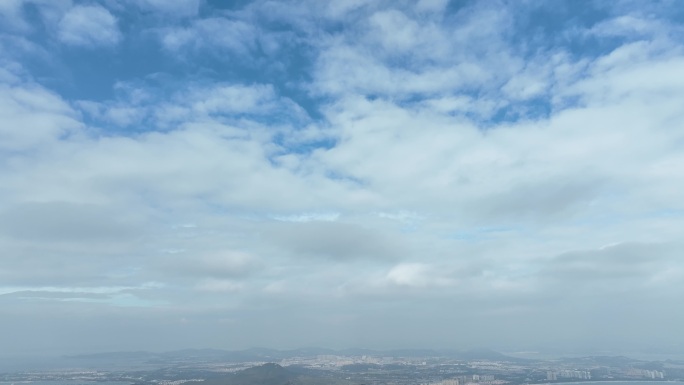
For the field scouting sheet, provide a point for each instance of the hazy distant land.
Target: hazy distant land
(314, 366)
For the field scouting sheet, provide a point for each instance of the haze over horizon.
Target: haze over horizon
(377, 174)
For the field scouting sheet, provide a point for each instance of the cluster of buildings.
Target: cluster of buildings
(555, 375)
(480, 379)
(577, 374)
(643, 373)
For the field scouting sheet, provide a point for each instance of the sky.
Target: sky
(376, 174)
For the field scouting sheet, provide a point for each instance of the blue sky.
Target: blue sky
(427, 173)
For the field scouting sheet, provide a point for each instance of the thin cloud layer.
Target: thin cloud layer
(184, 174)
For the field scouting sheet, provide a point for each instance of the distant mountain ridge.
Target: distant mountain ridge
(269, 355)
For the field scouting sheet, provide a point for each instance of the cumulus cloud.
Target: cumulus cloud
(89, 26)
(32, 116)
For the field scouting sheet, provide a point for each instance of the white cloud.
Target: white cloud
(33, 116)
(89, 26)
(395, 31)
(233, 99)
(194, 103)
(393, 53)
(416, 197)
(416, 275)
(629, 26)
(11, 15)
(118, 296)
(218, 33)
